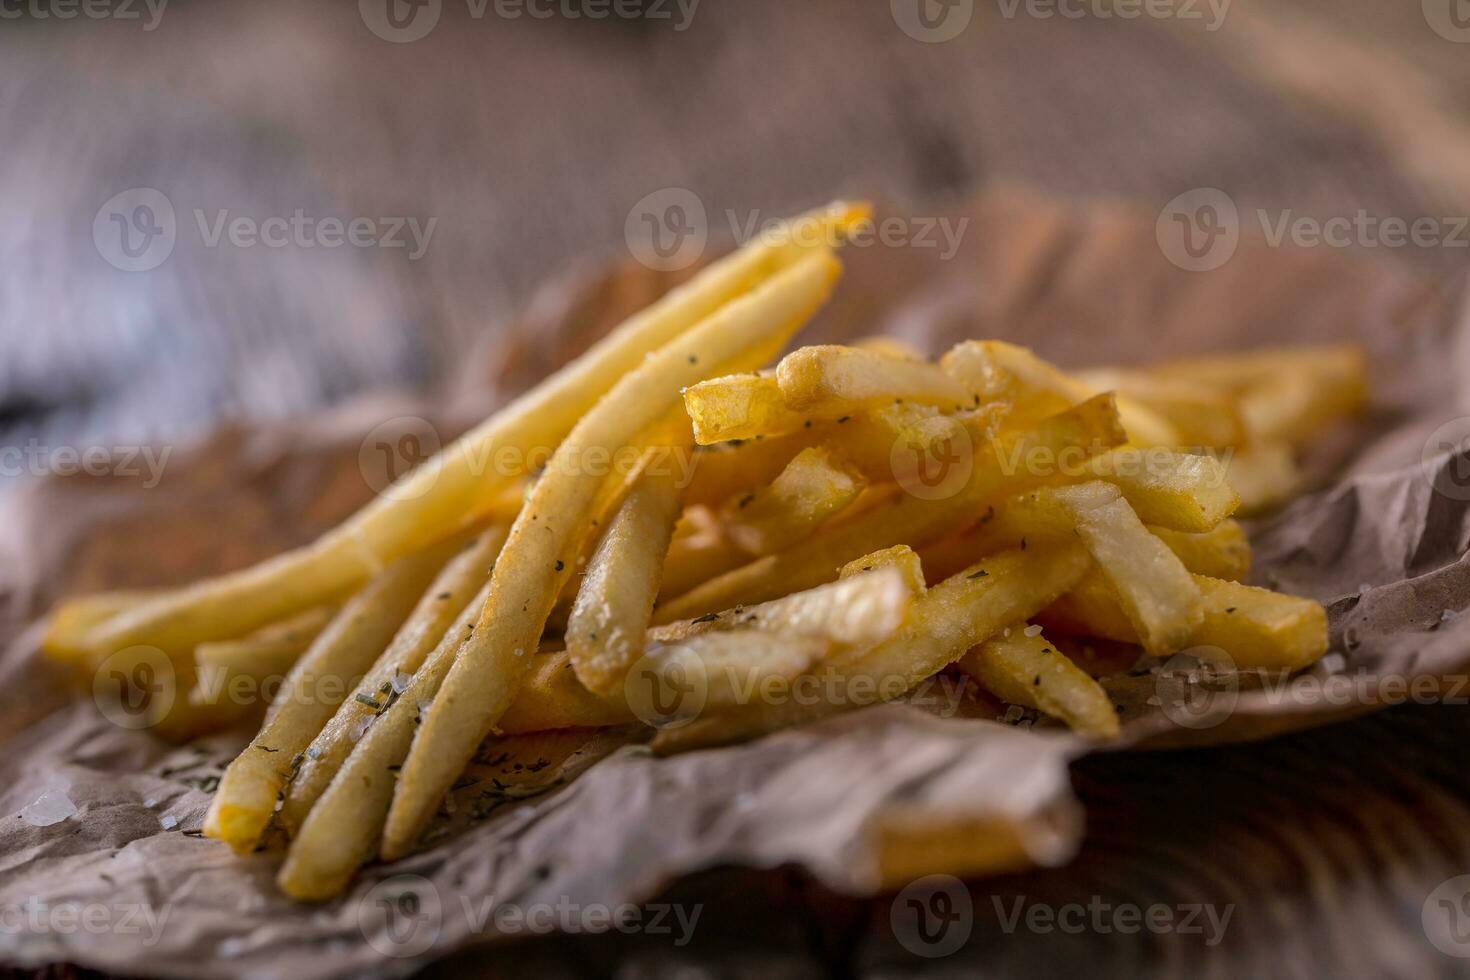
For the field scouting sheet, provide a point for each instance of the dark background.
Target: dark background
(530, 141)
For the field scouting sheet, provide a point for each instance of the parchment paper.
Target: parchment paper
(569, 824)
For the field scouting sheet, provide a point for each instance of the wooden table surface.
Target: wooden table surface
(531, 141)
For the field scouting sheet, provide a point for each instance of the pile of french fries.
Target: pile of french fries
(855, 521)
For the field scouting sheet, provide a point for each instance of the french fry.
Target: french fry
(816, 484)
(1201, 415)
(889, 347)
(900, 556)
(739, 406)
(953, 616)
(1264, 475)
(453, 487)
(1224, 552)
(696, 559)
(342, 829)
(556, 519)
(248, 791)
(604, 635)
(553, 698)
(1237, 371)
(1020, 666)
(1256, 627)
(242, 669)
(999, 468)
(421, 633)
(828, 381)
(1180, 491)
(719, 669)
(730, 468)
(73, 619)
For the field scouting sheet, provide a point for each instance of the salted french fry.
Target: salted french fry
(999, 468)
(816, 484)
(604, 635)
(953, 616)
(234, 675)
(730, 468)
(1020, 666)
(342, 829)
(1240, 370)
(739, 406)
(829, 381)
(421, 633)
(1256, 627)
(1201, 415)
(248, 791)
(1181, 491)
(696, 559)
(718, 669)
(889, 347)
(552, 698)
(1264, 475)
(556, 519)
(451, 489)
(1224, 552)
(900, 556)
(70, 622)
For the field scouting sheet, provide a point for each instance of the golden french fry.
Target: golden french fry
(604, 635)
(342, 829)
(953, 616)
(889, 347)
(446, 492)
(829, 381)
(248, 791)
(1256, 627)
(1181, 491)
(730, 468)
(556, 519)
(719, 669)
(73, 619)
(739, 406)
(697, 558)
(1264, 475)
(1224, 552)
(234, 676)
(1238, 371)
(391, 673)
(999, 468)
(1201, 415)
(552, 698)
(816, 484)
(900, 556)
(1020, 666)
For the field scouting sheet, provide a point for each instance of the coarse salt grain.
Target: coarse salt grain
(1032, 630)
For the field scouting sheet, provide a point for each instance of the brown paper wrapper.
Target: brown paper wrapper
(572, 823)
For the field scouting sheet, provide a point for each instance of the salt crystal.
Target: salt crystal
(150, 803)
(52, 806)
(1154, 701)
(168, 822)
(1447, 615)
(1006, 632)
(360, 727)
(1014, 714)
(424, 705)
(1032, 630)
(1332, 663)
(1364, 586)
(401, 682)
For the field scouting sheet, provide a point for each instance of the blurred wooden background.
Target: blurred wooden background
(529, 142)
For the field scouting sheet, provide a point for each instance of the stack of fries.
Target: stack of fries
(856, 520)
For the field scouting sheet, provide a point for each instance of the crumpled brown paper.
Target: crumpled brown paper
(566, 830)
